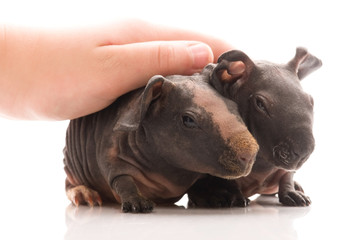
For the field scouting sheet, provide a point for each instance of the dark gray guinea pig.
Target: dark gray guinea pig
(152, 144)
(279, 114)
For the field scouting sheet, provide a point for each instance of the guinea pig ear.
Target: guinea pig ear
(233, 66)
(130, 119)
(304, 63)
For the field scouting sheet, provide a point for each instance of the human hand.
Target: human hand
(68, 74)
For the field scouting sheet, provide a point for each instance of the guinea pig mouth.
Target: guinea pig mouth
(237, 162)
(239, 156)
(234, 168)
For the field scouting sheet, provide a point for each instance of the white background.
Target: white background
(32, 199)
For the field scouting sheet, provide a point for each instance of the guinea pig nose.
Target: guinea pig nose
(281, 151)
(246, 157)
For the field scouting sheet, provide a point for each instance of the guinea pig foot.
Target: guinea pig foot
(137, 205)
(241, 202)
(212, 192)
(294, 198)
(298, 187)
(83, 195)
(208, 200)
(222, 200)
(227, 199)
(218, 199)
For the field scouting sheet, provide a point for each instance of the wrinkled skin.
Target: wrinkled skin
(152, 144)
(279, 114)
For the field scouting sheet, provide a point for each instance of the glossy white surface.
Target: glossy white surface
(177, 223)
(33, 204)
(264, 219)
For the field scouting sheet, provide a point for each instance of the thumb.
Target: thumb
(136, 63)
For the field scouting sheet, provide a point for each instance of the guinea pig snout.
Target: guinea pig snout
(291, 154)
(282, 153)
(240, 154)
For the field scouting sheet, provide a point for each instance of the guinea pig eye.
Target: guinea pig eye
(260, 104)
(189, 122)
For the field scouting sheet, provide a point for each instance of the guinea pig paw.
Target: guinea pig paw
(209, 200)
(84, 195)
(294, 198)
(240, 201)
(218, 199)
(228, 199)
(223, 200)
(137, 205)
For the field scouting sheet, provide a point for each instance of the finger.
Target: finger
(130, 66)
(135, 31)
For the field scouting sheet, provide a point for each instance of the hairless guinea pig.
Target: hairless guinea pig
(279, 114)
(152, 144)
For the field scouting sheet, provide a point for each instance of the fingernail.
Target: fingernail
(202, 55)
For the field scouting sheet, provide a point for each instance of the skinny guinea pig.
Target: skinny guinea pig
(279, 114)
(152, 144)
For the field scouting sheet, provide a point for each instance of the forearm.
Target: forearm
(37, 72)
(21, 71)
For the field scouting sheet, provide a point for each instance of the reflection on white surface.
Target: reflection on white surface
(265, 218)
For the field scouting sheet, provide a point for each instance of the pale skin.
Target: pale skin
(66, 74)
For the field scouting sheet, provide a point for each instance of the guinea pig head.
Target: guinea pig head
(273, 104)
(190, 126)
